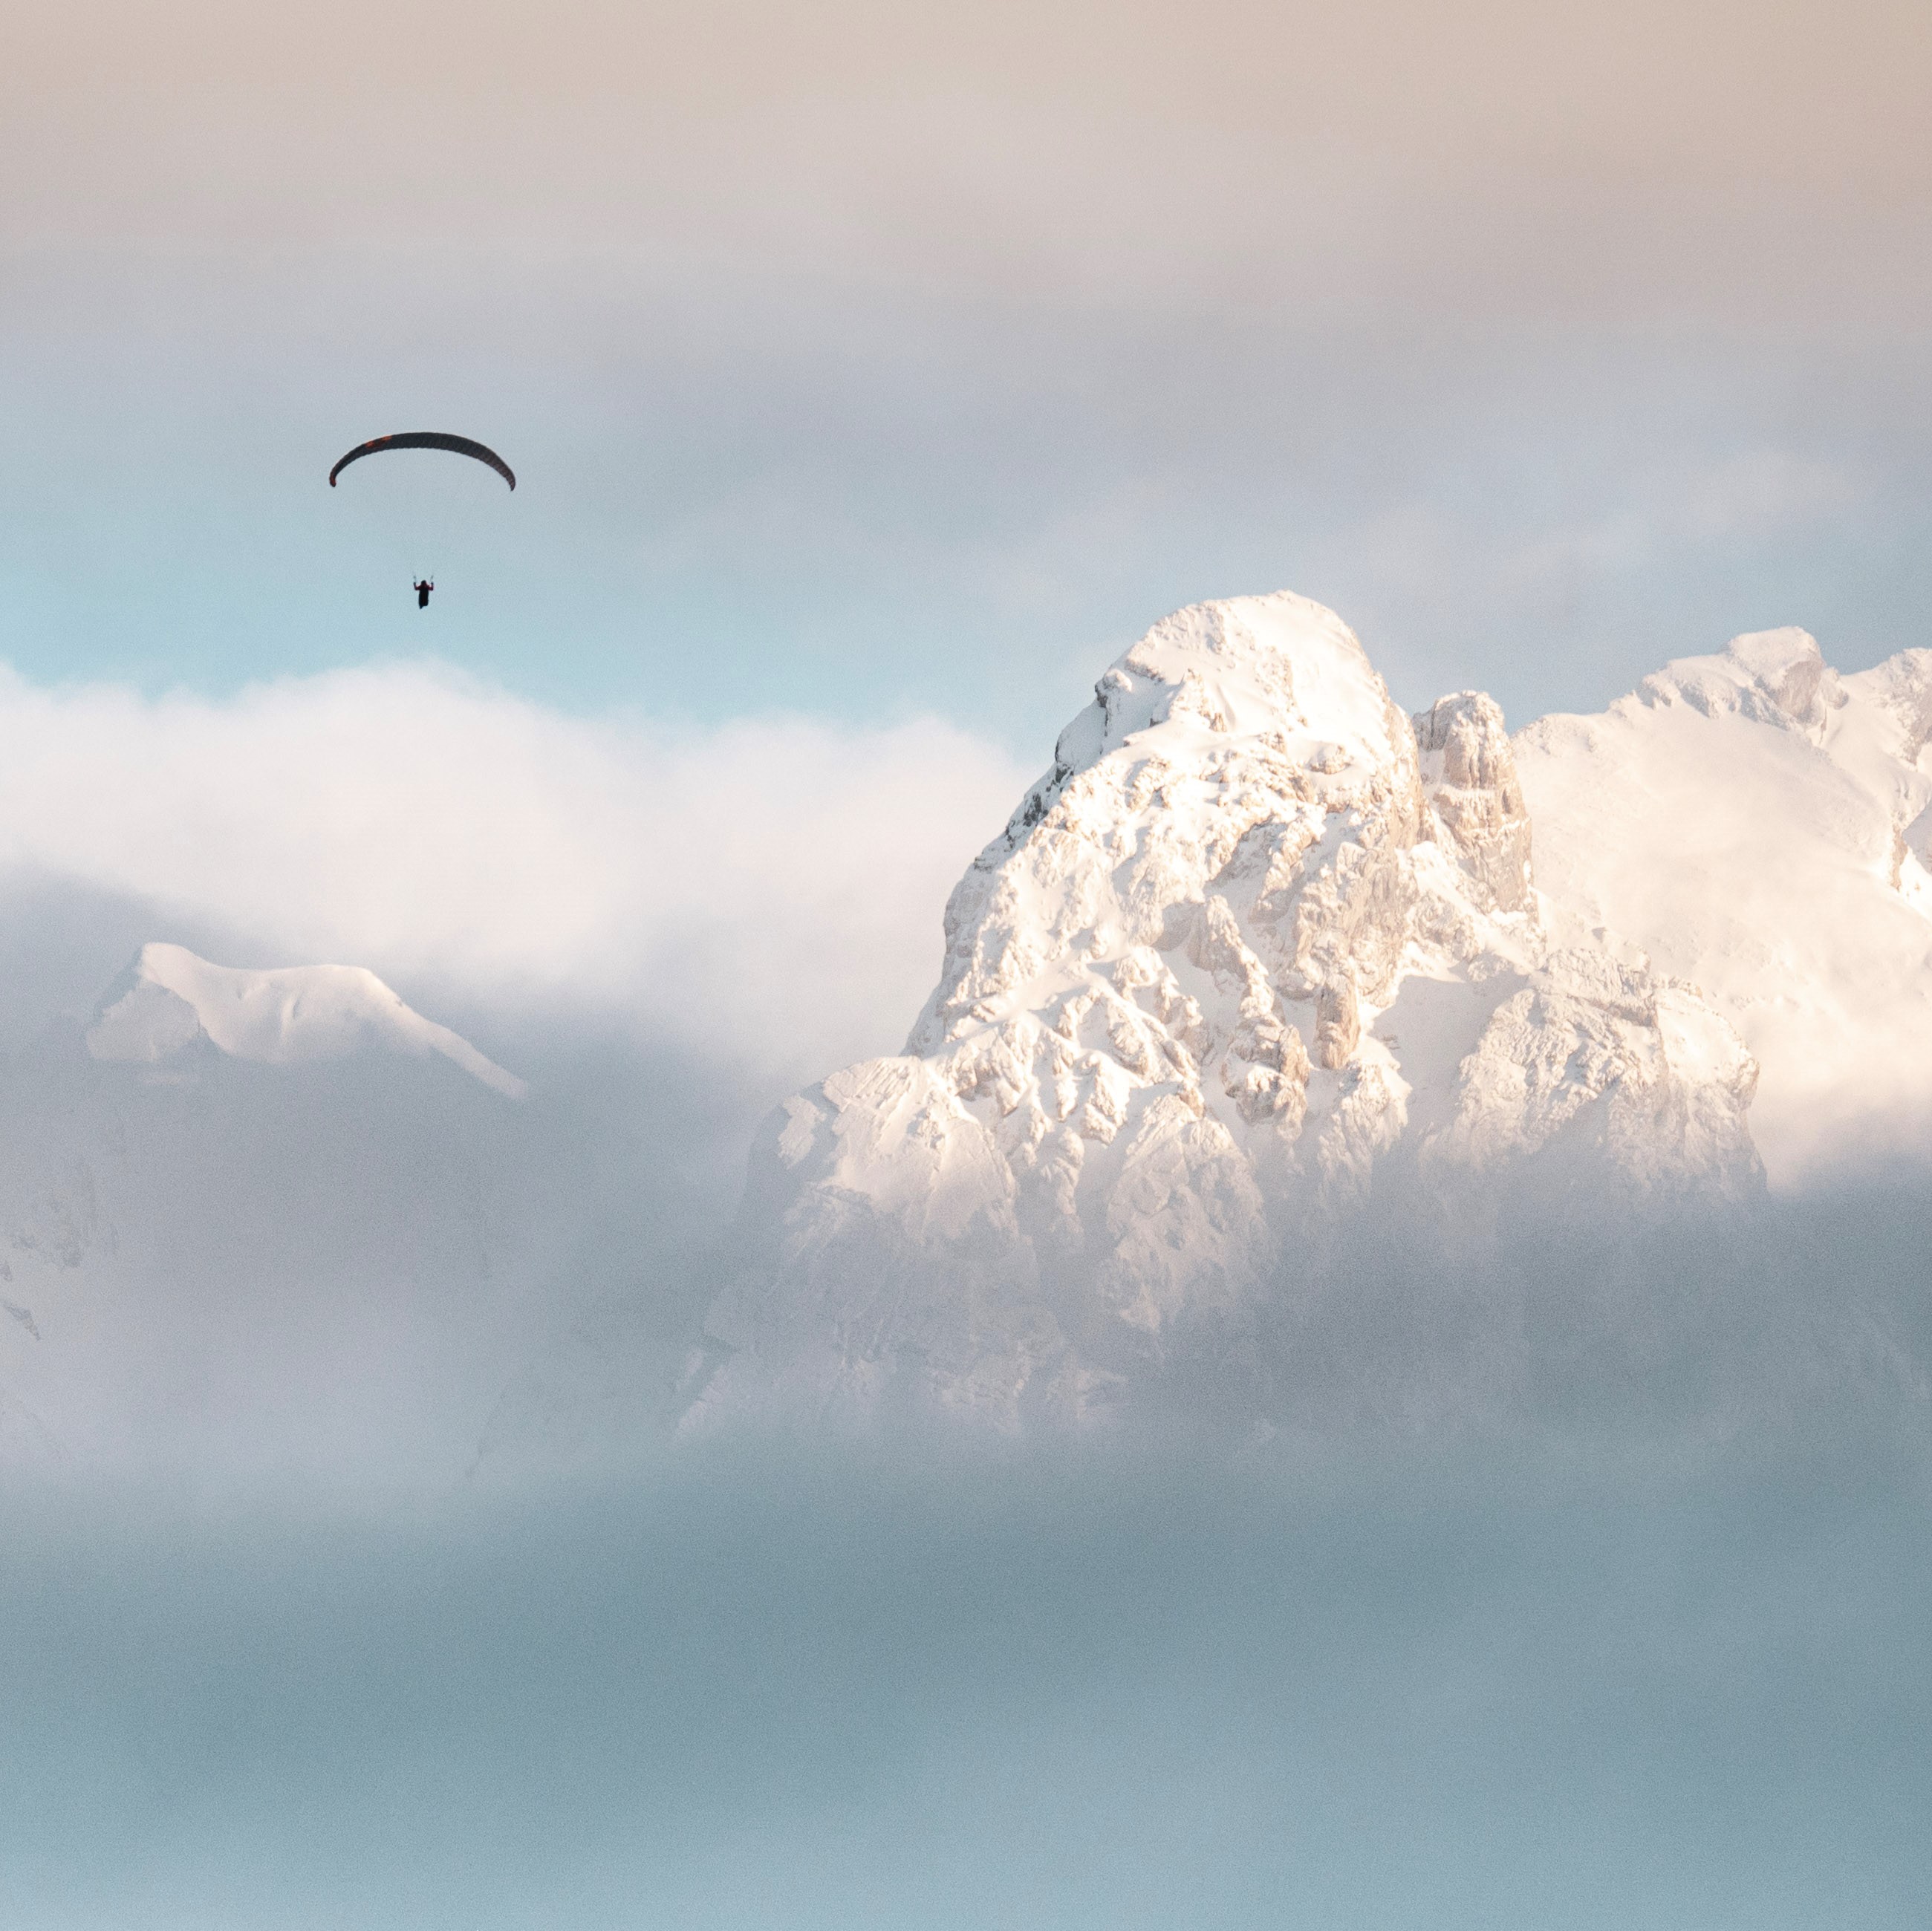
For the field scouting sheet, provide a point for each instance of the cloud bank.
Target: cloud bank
(768, 892)
(365, 1276)
(333, 1272)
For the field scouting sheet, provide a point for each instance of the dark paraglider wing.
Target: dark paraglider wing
(426, 439)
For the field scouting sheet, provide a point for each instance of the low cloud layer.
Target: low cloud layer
(1476, 1693)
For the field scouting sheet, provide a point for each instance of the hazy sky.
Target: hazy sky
(873, 361)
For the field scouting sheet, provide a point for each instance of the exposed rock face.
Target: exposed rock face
(1254, 938)
(1470, 775)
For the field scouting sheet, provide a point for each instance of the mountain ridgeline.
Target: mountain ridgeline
(1261, 1036)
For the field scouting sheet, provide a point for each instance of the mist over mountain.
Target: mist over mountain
(1265, 1038)
(1296, 1067)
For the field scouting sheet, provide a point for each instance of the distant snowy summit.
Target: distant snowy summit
(272, 1150)
(1256, 947)
(169, 1004)
(1760, 824)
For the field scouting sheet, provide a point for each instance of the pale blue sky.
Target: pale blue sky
(852, 369)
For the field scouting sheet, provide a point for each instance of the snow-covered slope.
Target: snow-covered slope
(1757, 824)
(1253, 940)
(169, 1002)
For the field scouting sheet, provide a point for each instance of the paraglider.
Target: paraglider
(426, 439)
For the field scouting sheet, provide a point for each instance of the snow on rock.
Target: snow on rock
(1759, 825)
(1253, 937)
(169, 1001)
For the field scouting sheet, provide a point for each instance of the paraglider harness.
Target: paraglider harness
(422, 590)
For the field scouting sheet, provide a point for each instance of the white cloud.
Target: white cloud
(769, 889)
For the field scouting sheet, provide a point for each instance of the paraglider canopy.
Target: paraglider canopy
(426, 439)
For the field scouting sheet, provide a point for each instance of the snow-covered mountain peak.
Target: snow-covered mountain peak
(1227, 719)
(1777, 677)
(1272, 668)
(169, 1000)
(1277, 674)
(1898, 695)
(1255, 937)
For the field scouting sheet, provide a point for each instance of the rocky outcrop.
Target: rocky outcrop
(1474, 799)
